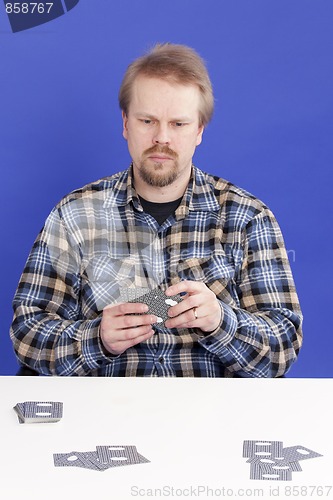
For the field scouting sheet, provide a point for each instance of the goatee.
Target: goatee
(154, 175)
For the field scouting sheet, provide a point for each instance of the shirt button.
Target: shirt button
(161, 360)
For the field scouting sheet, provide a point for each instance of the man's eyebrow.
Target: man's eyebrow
(146, 115)
(184, 119)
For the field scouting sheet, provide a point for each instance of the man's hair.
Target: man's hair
(176, 64)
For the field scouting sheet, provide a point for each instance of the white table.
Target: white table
(192, 431)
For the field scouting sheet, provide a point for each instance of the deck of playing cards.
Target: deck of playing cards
(39, 411)
(155, 299)
(105, 457)
(269, 460)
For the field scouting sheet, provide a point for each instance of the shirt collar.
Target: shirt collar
(199, 194)
(122, 191)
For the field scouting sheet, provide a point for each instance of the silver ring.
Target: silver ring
(195, 312)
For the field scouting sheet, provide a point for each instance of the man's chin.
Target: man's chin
(155, 175)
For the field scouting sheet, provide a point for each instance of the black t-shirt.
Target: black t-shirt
(160, 211)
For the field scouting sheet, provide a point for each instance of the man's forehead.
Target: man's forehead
(143, 82)
(154, 92)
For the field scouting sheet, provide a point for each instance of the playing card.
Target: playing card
(156, 300)
(295, 453)
(262, 449)
(119, 455)
(265, 472)
(131, 294)
(39, 411)
(105, 457)
(78, 459)
(93, 461)
(271, 465)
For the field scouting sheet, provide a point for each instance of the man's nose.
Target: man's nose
(162, 134)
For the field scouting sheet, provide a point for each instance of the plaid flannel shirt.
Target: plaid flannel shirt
(98, 240)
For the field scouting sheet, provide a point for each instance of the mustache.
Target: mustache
(165, 150)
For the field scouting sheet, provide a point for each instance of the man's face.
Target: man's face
(162, 130)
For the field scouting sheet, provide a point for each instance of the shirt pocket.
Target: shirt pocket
(104, 268)
(217, 271)
(102, 279)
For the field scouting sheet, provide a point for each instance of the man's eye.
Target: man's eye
(146, 121)
(179, 124)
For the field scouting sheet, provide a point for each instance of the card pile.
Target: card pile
(156, 300)
(31, 412)
(270, 461)
(105, 457)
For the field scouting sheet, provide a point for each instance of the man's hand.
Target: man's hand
(119, 331)
(199, 309)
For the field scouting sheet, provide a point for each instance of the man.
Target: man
(162, 224)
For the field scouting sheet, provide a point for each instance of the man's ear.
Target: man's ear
(125, 121)
(199, 136)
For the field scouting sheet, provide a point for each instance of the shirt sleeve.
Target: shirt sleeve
(260, 333)
(50, 332)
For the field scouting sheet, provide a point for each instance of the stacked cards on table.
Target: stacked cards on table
(39, 411)
(104, 457)
(155, 299)
(271, 461)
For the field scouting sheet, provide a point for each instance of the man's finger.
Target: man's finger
(189, 303)
(123, 308)
(119, 346)
(184, 286)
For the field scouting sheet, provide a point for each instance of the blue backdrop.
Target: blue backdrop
(271, 66)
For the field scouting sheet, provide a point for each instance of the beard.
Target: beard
(155, 173)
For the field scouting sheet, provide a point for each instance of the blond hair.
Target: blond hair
(177, 64)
